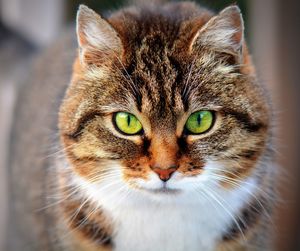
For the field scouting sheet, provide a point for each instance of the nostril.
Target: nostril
(165, 174)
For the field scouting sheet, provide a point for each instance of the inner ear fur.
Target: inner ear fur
(223, 33)
(98, 41)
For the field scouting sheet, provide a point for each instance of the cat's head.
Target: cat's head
(163, 100)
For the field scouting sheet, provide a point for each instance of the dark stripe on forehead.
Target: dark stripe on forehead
(163, 95)
(162, 104)
(145, 91)
(187, 85)
(133, 85)
(138, 99)
(245, 120)
(149, 93)
(185, 97)
(178, 79)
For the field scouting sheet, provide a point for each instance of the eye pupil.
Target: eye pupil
(199, 119)
(128, 119)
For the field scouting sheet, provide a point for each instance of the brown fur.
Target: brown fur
(246, 115)
(159, 65)
(159, 57)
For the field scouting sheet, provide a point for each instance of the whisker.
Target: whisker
(249, 192)
(213, 196)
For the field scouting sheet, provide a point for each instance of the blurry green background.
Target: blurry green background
(108, 4)
(114, 5)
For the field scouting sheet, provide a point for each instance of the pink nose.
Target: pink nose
(164, 174)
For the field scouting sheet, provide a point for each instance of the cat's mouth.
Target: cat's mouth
(165, 190)
(162, 190)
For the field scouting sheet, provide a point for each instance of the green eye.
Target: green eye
(199, 122)
(127, 123)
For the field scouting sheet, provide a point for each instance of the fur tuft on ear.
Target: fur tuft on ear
(97, 39)
(224, 33)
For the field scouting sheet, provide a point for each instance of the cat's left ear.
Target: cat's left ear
(223, 33)
(98, 41)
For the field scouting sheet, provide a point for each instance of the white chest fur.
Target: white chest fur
(168, 228)
(193, 221)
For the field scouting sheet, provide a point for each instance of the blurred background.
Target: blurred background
(28, 27)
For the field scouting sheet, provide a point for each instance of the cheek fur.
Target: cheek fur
(139, 167)
(237, 162)
(136, 168)
(189, 166)
(91, 151)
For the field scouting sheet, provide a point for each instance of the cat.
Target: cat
(165, 133)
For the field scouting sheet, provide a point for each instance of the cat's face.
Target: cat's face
(162, 113)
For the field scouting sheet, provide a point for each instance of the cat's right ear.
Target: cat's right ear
(224, 33)
(97, 39)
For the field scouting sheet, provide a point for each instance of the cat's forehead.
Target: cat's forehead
(169, 87)
(155, 68)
